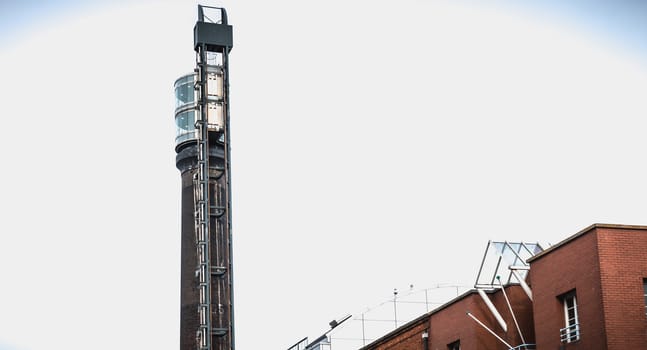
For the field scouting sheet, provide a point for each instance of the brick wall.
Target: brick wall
(522, 307)
(623, 265)
(408, 339)
(452, 323)
(605, 265)
(573, 266)
(188, 290)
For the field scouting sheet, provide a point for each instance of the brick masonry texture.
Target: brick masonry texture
(571, 267)
(188, 290)
(623, 265)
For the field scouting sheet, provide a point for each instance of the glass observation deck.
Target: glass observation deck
(186, 103)
(185, 109)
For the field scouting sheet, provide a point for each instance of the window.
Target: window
(645, 293)
(185, 126)
(571, 332)
(454, 346)
(184, 91)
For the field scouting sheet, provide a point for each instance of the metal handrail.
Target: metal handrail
(525, 347)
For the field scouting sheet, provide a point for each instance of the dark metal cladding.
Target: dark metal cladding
(187, 158)
(216, 36)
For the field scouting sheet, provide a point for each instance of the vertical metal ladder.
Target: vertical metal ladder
(212, 214)
(202, 214)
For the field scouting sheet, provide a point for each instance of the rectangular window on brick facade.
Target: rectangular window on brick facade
(454, 346)
(571, 332)
(645, 293)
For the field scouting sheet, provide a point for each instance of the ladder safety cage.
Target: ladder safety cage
(202, 217)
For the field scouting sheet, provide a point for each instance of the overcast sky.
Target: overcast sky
(375, 145)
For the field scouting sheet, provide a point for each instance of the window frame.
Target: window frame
(571, 331)
(645, 294)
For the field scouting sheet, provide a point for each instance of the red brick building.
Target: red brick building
(586, 292)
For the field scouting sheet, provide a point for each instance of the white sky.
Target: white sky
(375, 145)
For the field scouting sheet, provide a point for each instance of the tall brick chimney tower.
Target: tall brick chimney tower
(203, 158)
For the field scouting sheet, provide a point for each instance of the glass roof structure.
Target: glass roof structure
(503, 260)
